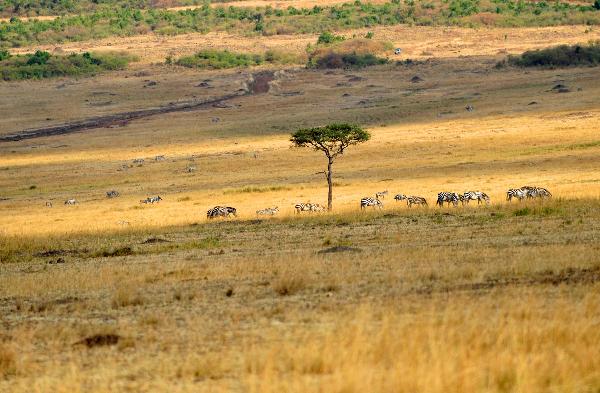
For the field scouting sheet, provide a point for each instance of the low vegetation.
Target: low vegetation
(221, 59)
(353, 53)
(117, 21)
(559, 56)
(45, 65)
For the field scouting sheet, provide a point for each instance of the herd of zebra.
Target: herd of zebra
(525, 192)
(529, 192)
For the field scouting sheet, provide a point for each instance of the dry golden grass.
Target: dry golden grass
(111, 295)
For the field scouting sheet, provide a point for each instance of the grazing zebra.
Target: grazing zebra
(269, 211)
(449, 197)
(151, 199)
(159, 158)
(364, 202)
(221, 211)
(308, 207)
(48, 204)
(411, 200)
(416, 200)
(71, 201)
(381, 194)
(315, 207)
(112, 194)
(516, 193)
(475, 196)
(138, 161)
(535, 192)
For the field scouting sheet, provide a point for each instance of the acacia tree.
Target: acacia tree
(332, 140)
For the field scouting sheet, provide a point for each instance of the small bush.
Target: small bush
(4, 54)
(290, 282)
(522, 212)
(126, 296)
(327, 38)
(357, 53)
(559, 56)
(216, 59)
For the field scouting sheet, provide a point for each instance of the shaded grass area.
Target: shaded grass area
(45, 65)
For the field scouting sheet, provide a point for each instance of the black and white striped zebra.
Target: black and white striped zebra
(416, 200)
(367, 201)
(518, 193)
(269, 211)
(151, 199)
(536, 192)
(71, 201)
(480, 197)
(308, 207)
(221, 211)
(381, 194)
(48, 204)
(112, 194)
(449, 197)
(411, 200)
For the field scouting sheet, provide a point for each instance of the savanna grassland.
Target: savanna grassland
(114, 295)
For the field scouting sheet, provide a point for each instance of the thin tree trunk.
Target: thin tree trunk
(330, 184)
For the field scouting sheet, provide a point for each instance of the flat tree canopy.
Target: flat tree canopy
(332, 140)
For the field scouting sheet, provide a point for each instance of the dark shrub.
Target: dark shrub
(346, 60)
(559, 56)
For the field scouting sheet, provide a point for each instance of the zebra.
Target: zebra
(159, 158)
(221, 211)
(381, 194)
(112, 194)
(308, 207)
(269, 211)
(475, 196)
(152, 199)
(518, 193)
(315, 207)
(411, 200)
(138, 161)
(535, 192)
(48, 204)
(416, 200)
(190, 169)
(542, 193)
(469, 108)
(71, 201)
(364, 202)
(449, 197)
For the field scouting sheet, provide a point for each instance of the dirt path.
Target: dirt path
(257, 84)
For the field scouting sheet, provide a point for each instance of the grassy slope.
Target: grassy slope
(429, 296)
